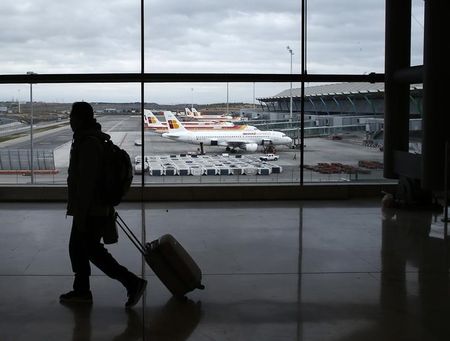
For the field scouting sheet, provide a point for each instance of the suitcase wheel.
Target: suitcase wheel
(181, 298)
(201, 287)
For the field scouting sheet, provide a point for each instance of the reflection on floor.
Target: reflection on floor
(331, 270)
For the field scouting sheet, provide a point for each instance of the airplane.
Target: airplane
(153, 123)
(245, 140)
(195, 115)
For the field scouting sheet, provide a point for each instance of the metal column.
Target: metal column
(398, 56)
(435, 89)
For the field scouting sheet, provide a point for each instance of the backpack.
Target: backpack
(117, 174)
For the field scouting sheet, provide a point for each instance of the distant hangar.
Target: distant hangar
(340, 99)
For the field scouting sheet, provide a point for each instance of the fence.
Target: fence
(20, 160)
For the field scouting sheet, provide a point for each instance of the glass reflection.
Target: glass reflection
(414, 248)
(175, 321)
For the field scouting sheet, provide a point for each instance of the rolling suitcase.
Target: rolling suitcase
(169, 261)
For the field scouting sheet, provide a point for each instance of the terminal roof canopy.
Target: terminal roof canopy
(336, 89)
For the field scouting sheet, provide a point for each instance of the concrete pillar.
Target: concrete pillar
(397, 57)
(436, 121)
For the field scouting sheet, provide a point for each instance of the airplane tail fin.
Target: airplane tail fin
(173, 124)
(196, 113)
(146, 115)
(188, 112)
(151, 120)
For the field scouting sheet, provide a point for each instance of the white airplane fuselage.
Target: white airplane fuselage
(224, 138)
(248, 140)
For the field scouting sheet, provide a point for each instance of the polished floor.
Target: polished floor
(312, 270)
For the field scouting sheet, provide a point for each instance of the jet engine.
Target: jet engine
(251, 147)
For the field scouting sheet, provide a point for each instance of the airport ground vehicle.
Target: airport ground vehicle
(269, 157)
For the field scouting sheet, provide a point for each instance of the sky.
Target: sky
(221, 36)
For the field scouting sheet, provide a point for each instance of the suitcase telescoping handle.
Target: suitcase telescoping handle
(124, 227)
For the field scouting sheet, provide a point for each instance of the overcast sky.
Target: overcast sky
(85, 36)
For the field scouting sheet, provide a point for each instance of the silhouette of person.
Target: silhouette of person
(92, 217)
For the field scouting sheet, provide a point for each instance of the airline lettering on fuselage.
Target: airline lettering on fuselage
(173, 124)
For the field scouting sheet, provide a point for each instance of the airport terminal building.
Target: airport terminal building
(349, 106)
(339, 99)
(344, 241)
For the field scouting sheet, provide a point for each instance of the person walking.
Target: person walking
(92, 216)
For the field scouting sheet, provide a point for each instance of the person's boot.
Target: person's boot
(76, 297)
(135, 292)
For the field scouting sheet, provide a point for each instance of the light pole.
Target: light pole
(254, 106)
(31, 128)
(290, 91)
(18, 100)
(227, 98)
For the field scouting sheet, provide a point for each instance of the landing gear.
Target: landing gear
(269, 149)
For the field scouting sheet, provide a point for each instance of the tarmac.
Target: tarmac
(125, 131)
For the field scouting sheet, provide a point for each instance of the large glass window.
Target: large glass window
(72, 36)
(47, 141)
(345, 36)
(188, 49)
(221, 36)
(416, 119)
(226, 133)
(417, 32)
(343, 132)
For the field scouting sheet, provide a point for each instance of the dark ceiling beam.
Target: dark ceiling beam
(410, 75)
(185, 78)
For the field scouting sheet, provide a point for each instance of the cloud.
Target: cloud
(222, 36)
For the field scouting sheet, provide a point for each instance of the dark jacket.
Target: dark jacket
(84, 175)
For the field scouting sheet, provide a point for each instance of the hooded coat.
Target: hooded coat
(84, 175)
